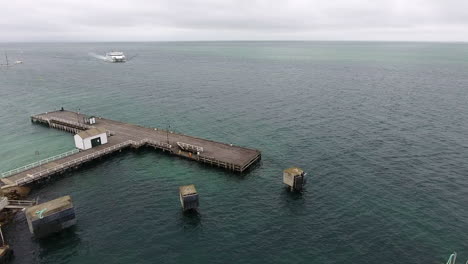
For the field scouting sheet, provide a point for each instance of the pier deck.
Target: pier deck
(125, 135)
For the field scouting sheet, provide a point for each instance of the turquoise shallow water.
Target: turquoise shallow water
(381, 128)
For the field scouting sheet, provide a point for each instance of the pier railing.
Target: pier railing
(189, 147)
(74, 162)
(68, 122)
(219, 163)
(54, 121)
(38, 163)
(158, 144)
(32, 177)
(18, 204)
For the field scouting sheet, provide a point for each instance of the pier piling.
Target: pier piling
(51, 217)
(188, 197)
(294, 178)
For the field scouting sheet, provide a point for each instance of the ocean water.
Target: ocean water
(381, 129)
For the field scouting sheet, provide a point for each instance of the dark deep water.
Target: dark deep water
(381, 128)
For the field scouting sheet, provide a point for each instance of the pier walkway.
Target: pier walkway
(124, 135)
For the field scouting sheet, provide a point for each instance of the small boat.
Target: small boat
(115, 56)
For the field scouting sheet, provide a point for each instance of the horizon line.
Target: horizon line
(272, 40)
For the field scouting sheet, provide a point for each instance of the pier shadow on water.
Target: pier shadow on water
(295, 202)
(190, 219)
(67, 241)
(292, 196)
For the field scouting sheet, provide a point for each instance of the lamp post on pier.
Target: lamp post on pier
(78, 116)
(38, 154)
(167, 133)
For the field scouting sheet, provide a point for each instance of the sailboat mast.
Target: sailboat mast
(6, 57)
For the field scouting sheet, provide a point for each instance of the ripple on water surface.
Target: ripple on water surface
(380, 127)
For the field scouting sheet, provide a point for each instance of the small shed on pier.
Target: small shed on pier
(90, 138)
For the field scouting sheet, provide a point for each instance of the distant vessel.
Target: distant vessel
(7, 64)
(115, 56)
(6, 60)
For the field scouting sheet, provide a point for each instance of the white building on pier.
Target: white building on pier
(91, 138)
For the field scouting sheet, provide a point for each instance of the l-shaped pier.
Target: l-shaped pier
(124, 135)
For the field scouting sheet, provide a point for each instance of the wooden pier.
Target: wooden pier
(124, 135)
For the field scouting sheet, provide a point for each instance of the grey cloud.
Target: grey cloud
(88, 20)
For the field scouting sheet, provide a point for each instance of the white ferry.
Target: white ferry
(115, 56)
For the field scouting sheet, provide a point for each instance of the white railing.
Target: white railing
(219, 163)
(21, 203)
(189, 147)
(158, 144)
(70, 122)
(52, 119)
(138, 143)
(151, 142)
(71, 163)
(38, 163)
(39, 174)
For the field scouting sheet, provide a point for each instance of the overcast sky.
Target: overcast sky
(163, 20)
